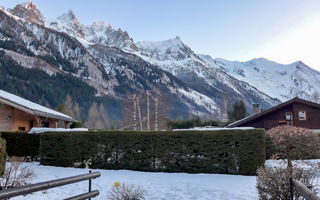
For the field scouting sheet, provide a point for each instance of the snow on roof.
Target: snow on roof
(33, 108)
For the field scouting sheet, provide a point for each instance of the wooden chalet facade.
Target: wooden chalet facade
(296, 112)
(18, 114)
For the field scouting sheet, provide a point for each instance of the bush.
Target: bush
(293, 143)
(16, 175)
(273, 182)
(3, 156)
(226, 151)
(190, 123)
(126, 192)
(273, 152)
(22, 144)
(76, 125)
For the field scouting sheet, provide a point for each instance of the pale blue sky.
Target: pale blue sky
(279, 30)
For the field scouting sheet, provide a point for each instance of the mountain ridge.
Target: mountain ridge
(110, 61)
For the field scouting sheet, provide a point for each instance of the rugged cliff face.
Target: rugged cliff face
(115, 67)
(28, 11)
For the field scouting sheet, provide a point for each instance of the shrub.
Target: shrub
(3, 156)
(273, 182)
(226, 151)
(288, 142)
(22, 144)
(293, 143)
(126, 192)
(76, 125)
(190, 123)
(16, 175)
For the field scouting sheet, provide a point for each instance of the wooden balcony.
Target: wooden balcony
(274, 123)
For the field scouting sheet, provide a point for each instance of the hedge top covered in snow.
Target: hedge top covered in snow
(213, 129)
(30, 107)
(43, 130)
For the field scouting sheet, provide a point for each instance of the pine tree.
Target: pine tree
(238, 111)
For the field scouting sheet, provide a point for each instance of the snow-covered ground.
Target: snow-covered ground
(159, 186)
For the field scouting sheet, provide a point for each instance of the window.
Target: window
(22, 128)
(289, 116)
(45, 124)
(302, 115)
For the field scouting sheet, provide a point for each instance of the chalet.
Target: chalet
(18, 114)
(296, 112)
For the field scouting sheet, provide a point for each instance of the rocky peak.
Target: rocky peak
(101, 24)
(68, 23)
(69, 17)
(168, 49)
(102, 33)
(29, 12)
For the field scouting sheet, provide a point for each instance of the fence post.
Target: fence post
(90, 183)
(291, 188)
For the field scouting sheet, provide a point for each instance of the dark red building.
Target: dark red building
(297, 112)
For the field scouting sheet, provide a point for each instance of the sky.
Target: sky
(284, 31)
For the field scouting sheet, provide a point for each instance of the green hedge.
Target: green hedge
(22, 144)
(229, 152)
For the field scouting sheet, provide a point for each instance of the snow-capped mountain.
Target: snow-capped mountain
(103, 33)
(110, 61)
(28, 11)
(67, 23)
(97, 33)
(277, 80)
(177, 58)
(61, 48)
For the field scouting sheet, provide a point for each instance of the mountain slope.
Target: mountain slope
(112, 72)
(115, 68)
(178, 59)
(278, 80)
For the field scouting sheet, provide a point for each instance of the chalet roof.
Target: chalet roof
(32, 108)
(265, 112)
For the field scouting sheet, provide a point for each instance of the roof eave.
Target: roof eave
(296, 99)
(35, 112)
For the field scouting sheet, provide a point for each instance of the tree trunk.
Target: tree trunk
(139, 113)
(134, 112)
(148, 111)
(156, 114)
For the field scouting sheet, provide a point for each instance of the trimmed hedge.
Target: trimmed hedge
(22, 144)
(226, 151)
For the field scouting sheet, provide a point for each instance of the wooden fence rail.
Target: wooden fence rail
(18, 191)
(306, 193)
